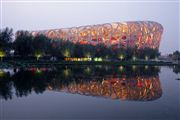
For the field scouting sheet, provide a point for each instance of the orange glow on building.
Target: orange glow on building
(127, 34)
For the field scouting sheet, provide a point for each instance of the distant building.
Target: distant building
(123, 34)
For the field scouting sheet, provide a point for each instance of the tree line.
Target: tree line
(26, 45)
(175, 56)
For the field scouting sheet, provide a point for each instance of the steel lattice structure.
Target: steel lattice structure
(126, 34)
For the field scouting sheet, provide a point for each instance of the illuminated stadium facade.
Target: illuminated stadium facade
(123, 34)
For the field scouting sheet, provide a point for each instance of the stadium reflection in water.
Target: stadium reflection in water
(134, 83)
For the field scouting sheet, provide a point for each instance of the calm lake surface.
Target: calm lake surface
(90, 92)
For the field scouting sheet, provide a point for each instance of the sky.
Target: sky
(44, 14)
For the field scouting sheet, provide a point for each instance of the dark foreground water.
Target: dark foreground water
(90, 92)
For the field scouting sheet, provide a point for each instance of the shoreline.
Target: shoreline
(24, 63)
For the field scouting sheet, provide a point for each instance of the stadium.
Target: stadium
(142, 34)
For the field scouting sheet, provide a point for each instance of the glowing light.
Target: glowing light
(66, 72)
(121, 56)
(88, 55)
(38, 55)
(134, 58)
(146, 58)
(134, 67)
(78, 59)
(95, 59)
(38, 71)
(98, 59)
(121, 68)
(66, 53)
(2, 73)
(87, 70)
(146, 67)
(2, 54)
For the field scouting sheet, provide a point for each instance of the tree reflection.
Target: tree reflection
(116, 82)
(5, 86)
(176, 69)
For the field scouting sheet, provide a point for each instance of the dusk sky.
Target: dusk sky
(29, 15)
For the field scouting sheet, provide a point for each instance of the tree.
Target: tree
(41, 44)
(78, 50)
(129, 53)
(6, 39)
(23, 44)
(120, 53)
(55, 48)
(101, 50)
(88, 51)
(148, 53)
(67, 49)
(176, 55)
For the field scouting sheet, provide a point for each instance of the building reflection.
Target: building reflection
(126, 88)
(113, 82)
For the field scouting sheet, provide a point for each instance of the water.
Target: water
(90, 92)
